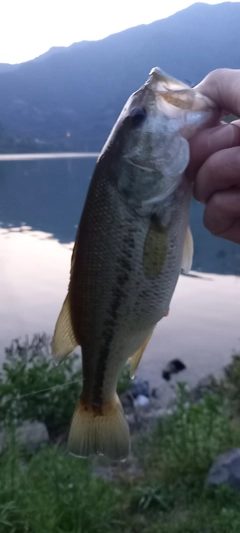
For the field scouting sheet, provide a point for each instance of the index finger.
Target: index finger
(211, 140)
(223, 87)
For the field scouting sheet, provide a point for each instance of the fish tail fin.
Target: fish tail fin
(103, 432)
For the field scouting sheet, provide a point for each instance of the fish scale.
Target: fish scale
(132, 241)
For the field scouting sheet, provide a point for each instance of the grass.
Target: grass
(52, 492)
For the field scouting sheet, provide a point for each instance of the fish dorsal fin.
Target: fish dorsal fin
(64, 341)
(187, 252)
(155, 249)
(137, 356)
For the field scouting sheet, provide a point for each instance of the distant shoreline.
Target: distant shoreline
(60, 155)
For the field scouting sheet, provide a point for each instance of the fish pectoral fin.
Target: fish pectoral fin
(137, 356)
(187, 252)
(99, 432)
(155, 249)
(64, 341)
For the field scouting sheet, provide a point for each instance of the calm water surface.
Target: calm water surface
(40, 206)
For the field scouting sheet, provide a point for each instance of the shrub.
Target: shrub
(32, 387)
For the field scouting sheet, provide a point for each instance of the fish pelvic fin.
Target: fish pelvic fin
(102, 431)
(137, 356)
(64, 341)
(187, 252)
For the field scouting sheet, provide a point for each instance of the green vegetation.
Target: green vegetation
(32, 387)
(56, 493)
(229, 386)
(186, 443)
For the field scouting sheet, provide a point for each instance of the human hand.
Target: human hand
(215, 158)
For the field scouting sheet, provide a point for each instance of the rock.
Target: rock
(139, 387)
(127, 400)
(145, 416)
(131, 419)
(173, 367)
(141, 401)
(30, 435)
(226, 470)
(156, 393)
(205, 386)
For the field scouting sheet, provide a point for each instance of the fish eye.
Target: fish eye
(137, 115)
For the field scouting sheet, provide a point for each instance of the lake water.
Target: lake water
(40, 206)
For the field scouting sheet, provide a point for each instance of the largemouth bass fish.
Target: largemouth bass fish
(132, 241)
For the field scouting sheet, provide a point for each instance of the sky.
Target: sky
(29, 28)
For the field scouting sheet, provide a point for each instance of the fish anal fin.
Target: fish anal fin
(155, 249)
(187, 252)
(137, 356)
(99, 432)
(64, 341)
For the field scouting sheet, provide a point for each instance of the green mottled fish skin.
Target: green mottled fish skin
(114, 304)
(130, 240)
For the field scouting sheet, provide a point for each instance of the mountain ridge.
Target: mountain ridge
(81, 89)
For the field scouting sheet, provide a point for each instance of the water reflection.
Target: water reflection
(34, 274)
(40, 206)
(202, 328)
(48, 195)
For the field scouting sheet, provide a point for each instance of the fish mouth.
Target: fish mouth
(178, 93)
(160, 81)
